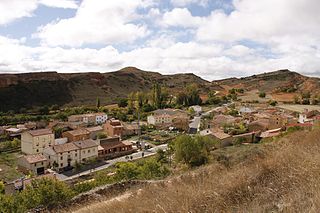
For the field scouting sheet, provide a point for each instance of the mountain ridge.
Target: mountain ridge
(29, 90)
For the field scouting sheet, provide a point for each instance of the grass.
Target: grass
(280, 176)
(8, 167)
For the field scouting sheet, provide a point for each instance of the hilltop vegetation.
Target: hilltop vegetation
(278, 176)
(33, 90)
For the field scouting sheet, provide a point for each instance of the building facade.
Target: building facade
(35, 141)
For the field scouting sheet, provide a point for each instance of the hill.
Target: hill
(278, 176)
(281, 84)
(31, 90)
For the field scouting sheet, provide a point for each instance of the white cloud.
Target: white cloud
(183, 3)
(11, 10)
(97, 22)
(181, 17)
(66, 4)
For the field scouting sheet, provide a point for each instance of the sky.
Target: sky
(213, 39)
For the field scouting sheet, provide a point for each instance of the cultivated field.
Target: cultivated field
(253, 95)
(299, 108)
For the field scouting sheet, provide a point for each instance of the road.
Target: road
(137, 155)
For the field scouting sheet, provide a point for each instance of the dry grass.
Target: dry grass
(284, 178)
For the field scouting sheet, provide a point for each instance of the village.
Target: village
(86, 143)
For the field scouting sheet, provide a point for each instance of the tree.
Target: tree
(101, 135)
(262, 94)
(189, 151)
(2, 187)
(273, 103)
(152, 169)
(126, 171)
(140, 99)
(156, 96)
(44, 110)
(123, 102)
(131, 101)
(98, 102)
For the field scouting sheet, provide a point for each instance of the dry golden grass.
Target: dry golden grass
(284, 178)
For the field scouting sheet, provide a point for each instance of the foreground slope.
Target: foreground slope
(281, 176)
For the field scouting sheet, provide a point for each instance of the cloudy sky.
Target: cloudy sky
(211, 38)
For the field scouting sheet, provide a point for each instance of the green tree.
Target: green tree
(123, 102)
(152, 169)
(2, 187)
(156, 96)
(131, 101)
(44, 110)
(98, 102)
(189, 151)
(262, 94)
(126, 171)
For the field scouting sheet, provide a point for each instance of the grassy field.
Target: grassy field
(253, 95)
(299, 108)
(8, 170)
(280, 176)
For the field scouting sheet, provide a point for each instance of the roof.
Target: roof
(39, 132)
(114, 144)
(67, 147)
(94, 129)
(168, 111)
(78, 132)
(205, 132)
(85, 144)
(114, 122)
(271, 133)
(220, 135)
(35, 158)
(14, 130)
(246, 110)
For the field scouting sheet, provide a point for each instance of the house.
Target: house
(249, 137)
(92, 118)
(114, 147)
(13, 132)
(130, 129)
(62, 156)
(224, 138)
(94, 131)
(259, 125)
(181, 123)
(101, 118)
(36, 164)
(159, 119)
(88, 149)
(221, 120)
(197, 109)
(113, 128)
(35, 141)
(76, 135)
(246, 110)
(166, 118)
(307, 116)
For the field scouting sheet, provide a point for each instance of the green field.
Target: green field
(8, 170)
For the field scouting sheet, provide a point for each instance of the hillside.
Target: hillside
(47, 88)
(278, 176)
(31, 90)
(281, 82)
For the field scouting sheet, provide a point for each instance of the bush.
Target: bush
(262, 94)
(189, 151)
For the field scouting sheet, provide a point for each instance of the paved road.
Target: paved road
(137, 155)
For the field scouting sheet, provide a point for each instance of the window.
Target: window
(61, 164)
(76, 154)
(37, 150)
(89, 151)
(61, 158)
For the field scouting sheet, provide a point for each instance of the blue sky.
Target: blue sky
(211, 38)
